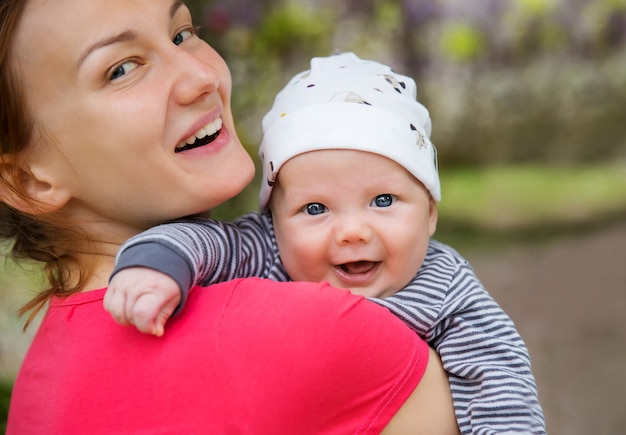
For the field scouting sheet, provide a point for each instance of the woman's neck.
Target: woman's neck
(96, 252)
(100, 270)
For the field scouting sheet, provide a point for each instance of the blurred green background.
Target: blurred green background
(526, 96)
(527, 101)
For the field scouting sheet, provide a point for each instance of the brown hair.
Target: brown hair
(43, 239)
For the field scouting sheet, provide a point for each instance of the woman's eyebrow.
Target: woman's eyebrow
(175, 6)
(127, 35)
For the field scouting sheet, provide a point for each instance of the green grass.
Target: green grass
(511, 201)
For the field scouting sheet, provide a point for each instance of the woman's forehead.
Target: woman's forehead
(55, 36)
(76, 24)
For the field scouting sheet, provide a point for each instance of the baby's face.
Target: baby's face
(354, 219)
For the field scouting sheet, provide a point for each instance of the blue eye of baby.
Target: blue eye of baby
(384, 200)
(314, 208)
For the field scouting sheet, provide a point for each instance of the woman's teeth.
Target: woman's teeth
(203, 136)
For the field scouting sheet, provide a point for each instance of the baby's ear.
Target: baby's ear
(30, 192)
(433, 216)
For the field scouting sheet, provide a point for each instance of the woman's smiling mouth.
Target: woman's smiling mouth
(203, 136)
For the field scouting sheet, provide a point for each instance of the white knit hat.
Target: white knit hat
(344, 102)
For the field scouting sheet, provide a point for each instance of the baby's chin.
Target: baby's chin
(368, 287)
(376, 291)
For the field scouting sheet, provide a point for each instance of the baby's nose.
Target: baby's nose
(353, 229)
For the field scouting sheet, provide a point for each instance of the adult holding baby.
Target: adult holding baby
(115, 117)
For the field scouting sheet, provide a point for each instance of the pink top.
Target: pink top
(248, 356)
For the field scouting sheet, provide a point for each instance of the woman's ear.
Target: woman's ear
(30, 192)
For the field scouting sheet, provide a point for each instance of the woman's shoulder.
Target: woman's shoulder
(321, 339)
(316, 315)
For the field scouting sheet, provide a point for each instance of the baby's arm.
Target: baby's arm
(155, 270)
(493, 387)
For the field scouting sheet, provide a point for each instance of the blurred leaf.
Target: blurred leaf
(389, 16)
(461, 42)
(538, 7)
(292, 27)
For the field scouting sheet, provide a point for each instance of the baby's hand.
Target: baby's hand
(142, 297)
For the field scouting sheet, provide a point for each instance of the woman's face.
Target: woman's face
(116, 89)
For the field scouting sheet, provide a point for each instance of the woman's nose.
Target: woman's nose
(195, 78)
(353, 229)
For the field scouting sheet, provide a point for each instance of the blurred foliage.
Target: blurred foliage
(5, 395)
(461, 42)
(506, 81)
(284, 30)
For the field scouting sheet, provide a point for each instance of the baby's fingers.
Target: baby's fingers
(151, 311)
(144, 312)
(142, 297)
(163, 316)
(115, 304)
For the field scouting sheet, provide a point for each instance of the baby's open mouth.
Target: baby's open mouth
(358, 267)
(203, 136)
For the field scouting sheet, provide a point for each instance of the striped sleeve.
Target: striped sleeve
(493, 387)
(204, 251)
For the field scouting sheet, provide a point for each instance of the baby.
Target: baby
(349, 196)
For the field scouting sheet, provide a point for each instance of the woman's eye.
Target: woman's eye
(384, 200)
(123, 69)
(314, 208)
(181, 36)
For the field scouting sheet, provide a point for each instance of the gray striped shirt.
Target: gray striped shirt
(488, 365)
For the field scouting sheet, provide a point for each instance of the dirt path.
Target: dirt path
(568, 298)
